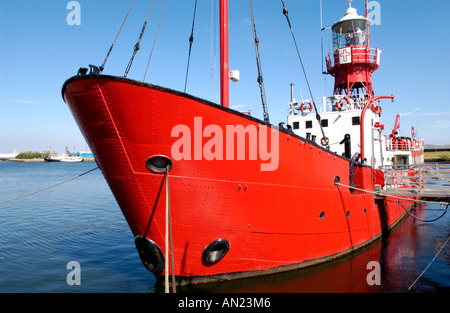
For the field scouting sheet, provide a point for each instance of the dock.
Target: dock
(435, 195)
(428, 182)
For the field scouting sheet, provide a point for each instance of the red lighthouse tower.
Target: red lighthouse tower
(353, 60)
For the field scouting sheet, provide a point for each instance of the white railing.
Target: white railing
(359, 54)
(326, 105)
(404, 144)
(417, 178)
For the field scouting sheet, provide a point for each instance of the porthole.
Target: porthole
(365, 212)
(159, 163)
(215, 251)
(322, 215)
(347, 214)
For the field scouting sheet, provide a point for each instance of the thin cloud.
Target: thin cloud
(411, 113)
(434, 114)
(238, 106)
(248, 22)
(19, 101)
(442, 124)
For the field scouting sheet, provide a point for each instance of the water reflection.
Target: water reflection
(81, 221)
(400, 255)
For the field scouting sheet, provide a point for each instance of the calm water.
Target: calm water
(80, 221)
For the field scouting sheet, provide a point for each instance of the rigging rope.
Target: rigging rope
(191, 40)
(138, 44)
(258, 64)
(102, 67)
(154, 41)
(286, 14)
(49, 187)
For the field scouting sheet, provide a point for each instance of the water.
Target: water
(80, 221)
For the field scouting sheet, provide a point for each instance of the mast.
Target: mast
(224, 69)
(367, 9)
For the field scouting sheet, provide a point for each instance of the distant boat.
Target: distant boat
(53, 159)
(71, 159)
(67, 158)
(7, 156)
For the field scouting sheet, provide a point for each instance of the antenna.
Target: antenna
(321, 17)
(321, 33)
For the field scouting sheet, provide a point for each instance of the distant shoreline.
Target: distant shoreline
(42, 160)
(90, 159)
(436, 160)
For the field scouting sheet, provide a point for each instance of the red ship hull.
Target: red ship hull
(277, 220)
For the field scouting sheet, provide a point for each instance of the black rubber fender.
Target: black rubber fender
(150, 254)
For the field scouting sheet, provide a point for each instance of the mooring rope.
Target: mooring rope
(49, 187)
(391, 196)
(421, 219)
(415, 217)
(423, 272)
(168, 239)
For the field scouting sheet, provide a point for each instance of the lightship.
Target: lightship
(214, 194)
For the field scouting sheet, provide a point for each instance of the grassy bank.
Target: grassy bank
(31, 155)
(42, 160)
(438, 156)
(26, 160)
(34, 156)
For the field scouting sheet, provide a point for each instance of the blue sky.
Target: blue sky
(39, 51)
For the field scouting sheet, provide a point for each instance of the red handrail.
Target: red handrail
(363, 114)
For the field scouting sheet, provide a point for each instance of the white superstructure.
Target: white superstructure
(341, 116)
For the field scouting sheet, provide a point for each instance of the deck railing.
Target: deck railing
(394, 144)
(417, 178)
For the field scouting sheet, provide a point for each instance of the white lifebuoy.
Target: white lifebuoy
(302, 107)
(339, 105)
